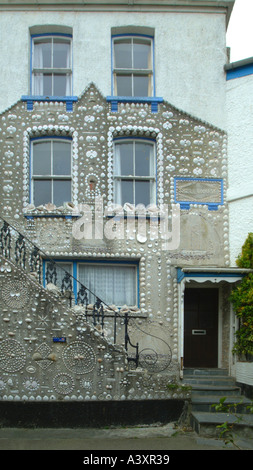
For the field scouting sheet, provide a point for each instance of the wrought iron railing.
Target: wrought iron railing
(18, 248)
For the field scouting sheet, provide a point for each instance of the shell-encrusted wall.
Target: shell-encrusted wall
(191, 176)
(85, 366)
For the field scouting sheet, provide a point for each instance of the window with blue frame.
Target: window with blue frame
(133, 66)
(134, 171)
(114, 283)
(51, 171)
(51, 65)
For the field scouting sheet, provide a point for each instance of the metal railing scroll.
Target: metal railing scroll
(19, 249)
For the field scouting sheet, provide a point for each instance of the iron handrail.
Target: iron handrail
(98, 304)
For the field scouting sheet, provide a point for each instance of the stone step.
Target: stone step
(208, 372)
(205, 424)
(212, 380)
(220, 390)
(205, 403)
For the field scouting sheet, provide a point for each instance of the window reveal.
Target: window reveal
(134, 172)
(51, 66)
(133, 66)
(51, 172)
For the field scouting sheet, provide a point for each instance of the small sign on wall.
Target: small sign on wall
(59, 340)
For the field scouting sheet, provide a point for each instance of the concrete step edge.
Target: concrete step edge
(220, 418)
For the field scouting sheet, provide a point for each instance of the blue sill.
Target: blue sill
(31, 98)
(211, 206)
(114, 100)
(53, 216)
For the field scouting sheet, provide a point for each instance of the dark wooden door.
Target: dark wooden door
(201, 327)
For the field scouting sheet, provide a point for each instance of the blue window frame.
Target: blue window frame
(51, 69)
(210, 192)
(115, 283)
(133, 74)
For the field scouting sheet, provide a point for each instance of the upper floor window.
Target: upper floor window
(51, 65)
(133, 66)
(134, 172)
(51, 171)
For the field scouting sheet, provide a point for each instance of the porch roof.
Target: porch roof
(213, 274)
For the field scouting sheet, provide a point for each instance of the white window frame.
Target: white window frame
(51, 176)
(148, 72)
(67, 72)
(118, 178)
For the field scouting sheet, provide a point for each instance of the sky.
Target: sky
(240, 31)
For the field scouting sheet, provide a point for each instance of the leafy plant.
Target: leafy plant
(242, 300)
(226, 428)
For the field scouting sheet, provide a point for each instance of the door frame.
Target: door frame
(205, 277)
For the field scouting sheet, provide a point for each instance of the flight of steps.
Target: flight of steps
(208, 387)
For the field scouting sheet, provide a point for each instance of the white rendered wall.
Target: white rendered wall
(190, 53)
(240, 161)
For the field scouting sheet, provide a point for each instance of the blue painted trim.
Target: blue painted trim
(39, 35)
(238, 72)
(69, 100)
(114, 100)
(181, 275)
(53, 216)
(74, 287)
(185, 205)
(51, 137)
(130, 35)
(44, 272)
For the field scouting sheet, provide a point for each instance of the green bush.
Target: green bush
(242, 300)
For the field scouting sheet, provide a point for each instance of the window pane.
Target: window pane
(141, 85)
(60, 85)
(126, 192)
(123, 54)
(47, 85)
(42, 54)
(61, 192)
(142, 192)
(60, 269)
(143, 159)
(42, 158)
(61, 158)
(61, 54)
(42, 192)
(124, 159)
(112, 284)
(141, 54)
(124, 85)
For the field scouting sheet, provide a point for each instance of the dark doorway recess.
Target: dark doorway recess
(201, 327)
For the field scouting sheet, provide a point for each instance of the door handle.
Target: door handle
(198, 332)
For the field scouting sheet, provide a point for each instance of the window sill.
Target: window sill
(52, 215)
(54, 212)
(30, 99)
(115, 100)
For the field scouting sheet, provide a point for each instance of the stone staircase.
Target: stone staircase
(208, 387)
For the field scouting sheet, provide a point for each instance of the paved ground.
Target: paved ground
(150, 438)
